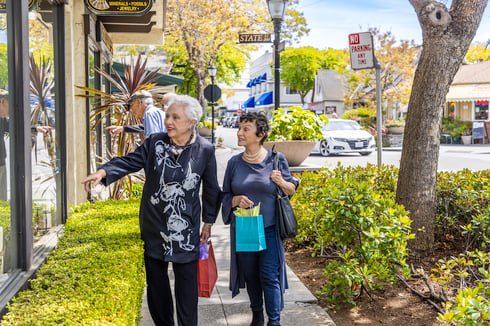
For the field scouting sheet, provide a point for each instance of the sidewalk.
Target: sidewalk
(222, 310)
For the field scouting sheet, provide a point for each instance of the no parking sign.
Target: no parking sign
(361, 50)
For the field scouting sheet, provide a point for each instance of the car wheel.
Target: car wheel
(324, 148)
(365, 153)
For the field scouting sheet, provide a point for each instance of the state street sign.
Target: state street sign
(254, 38)
(361, 51)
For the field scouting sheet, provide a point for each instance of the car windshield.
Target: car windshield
(341, 125)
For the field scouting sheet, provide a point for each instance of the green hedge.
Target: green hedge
(95, 276)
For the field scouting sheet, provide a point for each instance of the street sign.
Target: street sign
(254, 38)
(361, 51)
(212, 93)
(281, 46)
(239, 111)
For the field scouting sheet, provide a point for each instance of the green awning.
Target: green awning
(163, 79)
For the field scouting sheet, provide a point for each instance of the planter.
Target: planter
(295, 151)
(466, 140)
(395, 130)
(204, 131)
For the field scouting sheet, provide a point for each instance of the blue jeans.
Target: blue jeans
(261, 272)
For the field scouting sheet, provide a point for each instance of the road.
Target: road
(451, 157)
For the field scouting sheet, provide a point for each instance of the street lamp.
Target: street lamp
(277, 8)
(212, 73)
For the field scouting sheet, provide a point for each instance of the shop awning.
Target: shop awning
(264, 99)
(162, 79)
(249, 103)
(459, 93)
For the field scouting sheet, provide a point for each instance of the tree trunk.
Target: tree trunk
(200, 89)
(447, 35)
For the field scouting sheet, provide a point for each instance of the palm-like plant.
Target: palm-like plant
(135, 78)
(41, 88)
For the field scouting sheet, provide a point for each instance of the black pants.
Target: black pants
(159, 294)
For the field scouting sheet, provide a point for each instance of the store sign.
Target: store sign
(254, 38)
(118, 7)
(481, 103)
(3, 5)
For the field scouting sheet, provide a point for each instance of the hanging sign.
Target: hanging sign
(361, 51)
(118, 7)
(3, 5)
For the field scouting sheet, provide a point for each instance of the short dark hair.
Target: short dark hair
(261, 123)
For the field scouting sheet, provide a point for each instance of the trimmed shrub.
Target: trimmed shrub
(95, 276)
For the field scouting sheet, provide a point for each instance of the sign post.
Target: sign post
(361, 50)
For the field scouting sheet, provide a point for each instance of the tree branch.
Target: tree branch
(426, 298)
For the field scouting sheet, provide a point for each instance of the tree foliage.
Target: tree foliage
(294, 24)
(200, 32)
(398, 61)
(299, 66)
(3, 66)
(477, 52)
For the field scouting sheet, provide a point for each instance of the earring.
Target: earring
(189, 128)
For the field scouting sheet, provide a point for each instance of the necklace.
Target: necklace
(252, 156)
(177, 149)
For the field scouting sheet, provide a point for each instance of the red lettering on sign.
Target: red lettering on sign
(354, 39)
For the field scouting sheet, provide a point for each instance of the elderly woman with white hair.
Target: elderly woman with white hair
(176, 163)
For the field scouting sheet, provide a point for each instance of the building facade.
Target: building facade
(261, 85)
(42, 173)
(469, 95)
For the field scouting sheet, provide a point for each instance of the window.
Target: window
(290, 91)
(481, 110)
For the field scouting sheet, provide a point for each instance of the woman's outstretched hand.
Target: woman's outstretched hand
(93, 179)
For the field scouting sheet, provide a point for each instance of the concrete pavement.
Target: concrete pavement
(223, 310)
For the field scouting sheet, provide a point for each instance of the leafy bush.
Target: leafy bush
(346, 210)
(455, 127)
(364, 114)
(298, 125)
(463, 204)
(395, 123)
(350, 213)
(95, 276)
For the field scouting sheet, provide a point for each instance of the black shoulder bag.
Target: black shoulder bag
(288, 225)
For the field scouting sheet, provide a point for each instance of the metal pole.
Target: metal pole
(379, 112)
(212, 110)
(277, 62)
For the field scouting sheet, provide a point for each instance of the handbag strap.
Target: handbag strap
(275, 166)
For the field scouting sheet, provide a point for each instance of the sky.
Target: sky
(331, 21)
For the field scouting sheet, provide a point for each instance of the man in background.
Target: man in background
(153, 116)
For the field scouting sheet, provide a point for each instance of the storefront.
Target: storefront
(469, 95)
(48, 141)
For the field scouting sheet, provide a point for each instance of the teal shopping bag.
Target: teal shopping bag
(250, 234)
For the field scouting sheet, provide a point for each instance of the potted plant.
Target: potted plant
(466, 136)
(294, 134)
(395, 126)
(204, 127)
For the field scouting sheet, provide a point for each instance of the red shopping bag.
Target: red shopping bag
(207, 272)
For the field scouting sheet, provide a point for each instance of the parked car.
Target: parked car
(344, 136)
(227, 122)
(235, 121)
